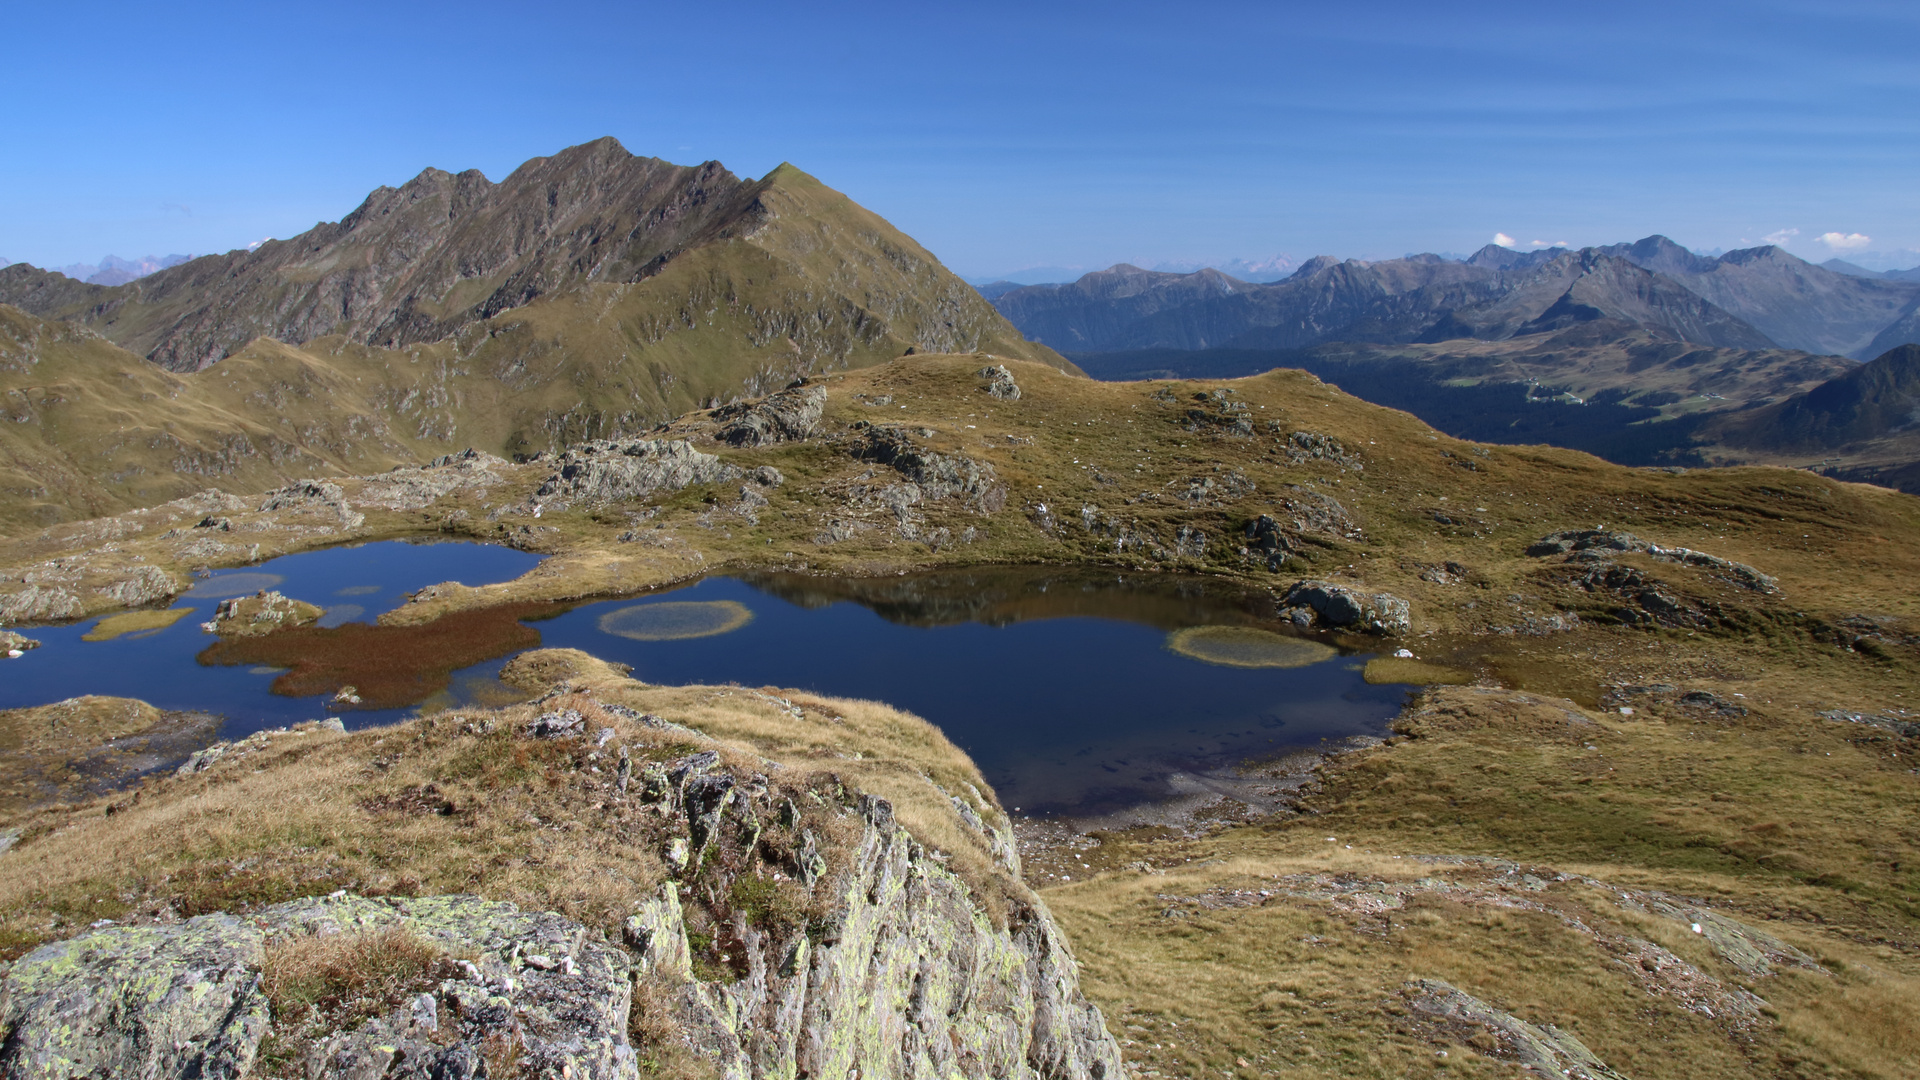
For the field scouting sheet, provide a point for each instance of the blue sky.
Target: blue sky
(1000, 135)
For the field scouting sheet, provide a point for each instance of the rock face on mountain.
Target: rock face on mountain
(1794, 302)
(588, 296)
(1759, 298)
(1422, 298)
(446, 252)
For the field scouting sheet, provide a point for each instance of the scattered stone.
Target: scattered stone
(554, 725)
(1323, 603)
(1000, 382)
(346, 695)
(1304, 446)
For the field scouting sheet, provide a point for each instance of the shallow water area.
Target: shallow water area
(1075, 692)
(159, 666)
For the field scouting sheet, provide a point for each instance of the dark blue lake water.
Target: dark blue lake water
(1074, 691)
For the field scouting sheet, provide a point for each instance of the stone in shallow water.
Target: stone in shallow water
(1247, 647)
(676, 620)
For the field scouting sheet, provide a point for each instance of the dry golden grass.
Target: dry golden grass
(462, 802)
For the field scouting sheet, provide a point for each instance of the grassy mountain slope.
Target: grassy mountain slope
(792, 278)
(1525, 837)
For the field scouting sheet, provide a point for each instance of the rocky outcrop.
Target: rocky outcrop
(38, 603)
(12, 643)
(1304, 446)
(144, 586)
(1594, 545)
(322, 497)
(932, 475)
(613, 471)
(909, 979)
(1543, 1049)
(788, 416)
(261, 613)
(800, 930)
(450, 474)
(1322, 603)
(149, 1002)
(1000, 382)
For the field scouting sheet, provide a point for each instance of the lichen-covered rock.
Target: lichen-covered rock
(609, 471)
(144, 586)
(261, 613)
(910, 980)
(1322, 603)
(537, 980)
(1544, 1049)
(37, 603)
(1000, 382)
(788, 416)
(137, 1001)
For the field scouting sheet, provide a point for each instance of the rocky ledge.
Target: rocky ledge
(796, 925)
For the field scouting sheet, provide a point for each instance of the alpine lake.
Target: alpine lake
(1077, 691)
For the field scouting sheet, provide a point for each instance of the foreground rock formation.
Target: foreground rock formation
(773, 919)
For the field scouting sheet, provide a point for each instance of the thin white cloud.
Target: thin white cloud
(1781, 237)
(1845, 241)
(1503, 239)
(1549, 243)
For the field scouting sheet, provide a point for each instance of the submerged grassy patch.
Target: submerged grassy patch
(1247, 647)
(133, 622)
(676, 620)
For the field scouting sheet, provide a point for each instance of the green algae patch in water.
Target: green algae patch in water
(676, 620)
(1247, 647)
(133, 622)
(357, 590)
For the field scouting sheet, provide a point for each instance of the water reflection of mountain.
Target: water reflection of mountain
(1002, 595)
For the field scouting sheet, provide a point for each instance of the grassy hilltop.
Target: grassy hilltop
(1707, 732)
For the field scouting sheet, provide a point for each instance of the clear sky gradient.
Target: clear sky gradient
(1001, 135)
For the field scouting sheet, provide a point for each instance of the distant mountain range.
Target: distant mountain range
(1756, 298)
(114, 270)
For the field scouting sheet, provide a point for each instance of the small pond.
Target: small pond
(1075, 690)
